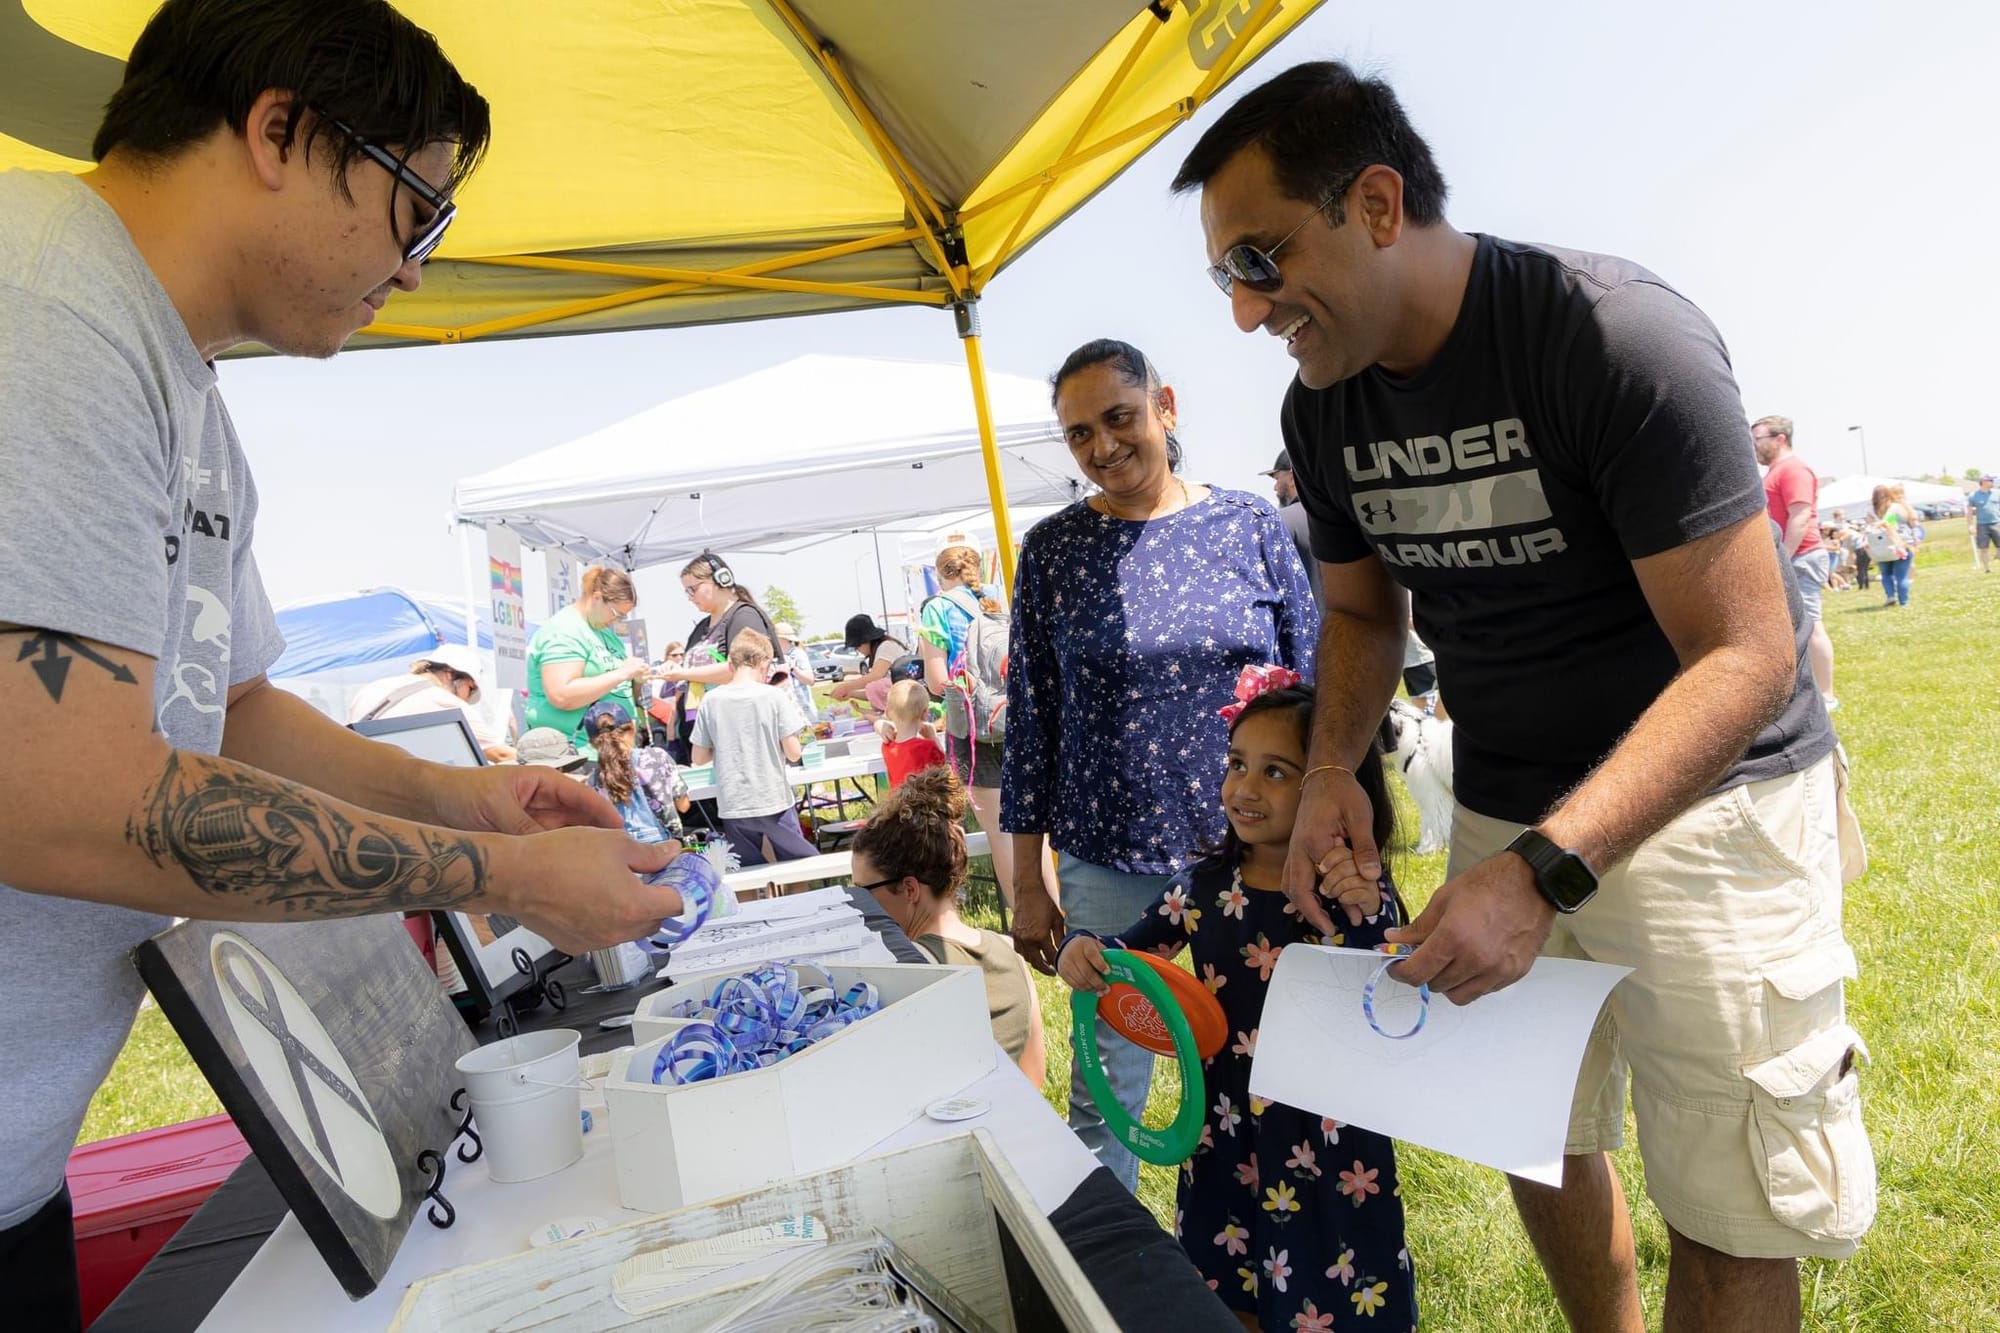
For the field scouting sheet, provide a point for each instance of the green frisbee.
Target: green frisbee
(1162, 1147)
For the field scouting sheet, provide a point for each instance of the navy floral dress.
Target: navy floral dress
(1127, 636)
(1292, 1217)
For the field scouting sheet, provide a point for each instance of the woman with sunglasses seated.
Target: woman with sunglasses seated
(1135, 611)
(911, 856)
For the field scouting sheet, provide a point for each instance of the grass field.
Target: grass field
(1918, 689)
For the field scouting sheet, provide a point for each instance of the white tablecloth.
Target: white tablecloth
(847, 766)
(287, 1287)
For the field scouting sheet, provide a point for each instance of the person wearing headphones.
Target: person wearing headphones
(727, 608)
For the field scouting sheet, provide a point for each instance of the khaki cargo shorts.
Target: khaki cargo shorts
(1732, 1026)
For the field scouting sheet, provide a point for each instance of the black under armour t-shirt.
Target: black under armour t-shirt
(1581, 415)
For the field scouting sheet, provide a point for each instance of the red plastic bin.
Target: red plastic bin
(130, 1194)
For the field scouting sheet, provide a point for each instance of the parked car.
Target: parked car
(846, 659)
(824, 667)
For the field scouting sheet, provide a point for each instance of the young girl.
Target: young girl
(1297, 1221)
(642, 781)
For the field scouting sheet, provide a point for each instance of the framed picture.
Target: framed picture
(443, 737)
(495, 955)
(332, 1048)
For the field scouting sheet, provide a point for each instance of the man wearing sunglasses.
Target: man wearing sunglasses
(260, 178)
(1547, 452)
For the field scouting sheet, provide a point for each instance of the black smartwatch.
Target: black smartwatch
(1563, 877)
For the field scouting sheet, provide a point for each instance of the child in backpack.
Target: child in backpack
(1296, 1220)
(641, 780)
(750, 730)
(909, 742)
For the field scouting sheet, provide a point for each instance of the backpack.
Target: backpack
(1882, 543)
(976, 697)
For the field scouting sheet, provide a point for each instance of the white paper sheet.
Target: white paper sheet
(1490, 1081)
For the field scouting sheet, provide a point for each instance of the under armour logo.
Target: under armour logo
(1376, 513)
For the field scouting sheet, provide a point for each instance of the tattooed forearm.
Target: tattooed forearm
(50, 655)
(245, 834)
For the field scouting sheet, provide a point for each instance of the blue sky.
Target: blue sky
(1817, 176)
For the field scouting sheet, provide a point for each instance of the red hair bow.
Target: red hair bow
(1252, 681)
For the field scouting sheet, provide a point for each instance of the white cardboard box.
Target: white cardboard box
(681, 1145)
(946, 1204)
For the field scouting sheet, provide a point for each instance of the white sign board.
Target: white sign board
(565, 577)
(510, 621)
(1490, 1081)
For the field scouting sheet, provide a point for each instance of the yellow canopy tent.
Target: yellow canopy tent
(664, 162)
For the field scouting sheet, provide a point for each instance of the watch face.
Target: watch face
(1569, 882)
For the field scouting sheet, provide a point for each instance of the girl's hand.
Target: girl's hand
(1081, 964)
(1341, 880)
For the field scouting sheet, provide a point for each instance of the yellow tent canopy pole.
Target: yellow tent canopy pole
(901, 174)
(614, 269)
(1055, 170)
(996, 488)
(1083, 127)
(687, 278)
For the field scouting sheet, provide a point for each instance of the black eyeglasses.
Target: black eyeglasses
(1258, 269)
(879, 884)
(443, 210)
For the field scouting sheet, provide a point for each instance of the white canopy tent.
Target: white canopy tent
(815, 448)
(1851, 495)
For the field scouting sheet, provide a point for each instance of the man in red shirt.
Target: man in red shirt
(1791, 497)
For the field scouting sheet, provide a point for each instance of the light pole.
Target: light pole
(1862, 435)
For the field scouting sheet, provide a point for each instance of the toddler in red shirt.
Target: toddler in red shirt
(909, 742)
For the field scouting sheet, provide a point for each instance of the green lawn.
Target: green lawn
(1918, 690)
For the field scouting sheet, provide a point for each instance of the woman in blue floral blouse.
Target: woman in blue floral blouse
(1134, 611)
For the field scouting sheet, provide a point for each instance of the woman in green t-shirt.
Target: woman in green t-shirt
(576, 657)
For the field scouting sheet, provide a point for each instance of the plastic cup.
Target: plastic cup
(524, 1094)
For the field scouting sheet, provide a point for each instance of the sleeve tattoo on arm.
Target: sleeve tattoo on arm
(243, 834)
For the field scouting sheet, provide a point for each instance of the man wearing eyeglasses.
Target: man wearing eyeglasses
(1544, 452)
(260, 178)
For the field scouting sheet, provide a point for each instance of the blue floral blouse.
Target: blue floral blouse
(1127, 636)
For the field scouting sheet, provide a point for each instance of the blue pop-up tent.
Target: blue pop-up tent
(376, 625)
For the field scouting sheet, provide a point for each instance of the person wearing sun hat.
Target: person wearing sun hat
(798, 663)
(443, 678)
(548, 747)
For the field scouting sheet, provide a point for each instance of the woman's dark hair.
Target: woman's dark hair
(1297, 701)
(1321, 125)
(917, 831)
(614, 742)
(1131, 366)
(202, 63)
(704, 566)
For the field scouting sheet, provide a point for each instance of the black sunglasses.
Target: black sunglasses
(1257, 269)
(443, 210)
(880, 884)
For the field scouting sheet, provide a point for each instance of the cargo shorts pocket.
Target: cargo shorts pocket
(1802, 994)
(1807, 1136)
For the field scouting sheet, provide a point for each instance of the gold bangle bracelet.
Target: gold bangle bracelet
(1325, 768)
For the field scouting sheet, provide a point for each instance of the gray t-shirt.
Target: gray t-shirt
(746, 726)
(129, 508)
